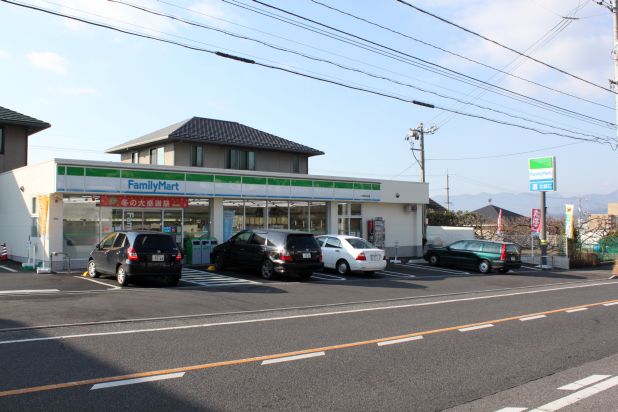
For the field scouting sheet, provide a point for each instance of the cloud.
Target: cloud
(3, 54)
(79, 91)
(48, 61)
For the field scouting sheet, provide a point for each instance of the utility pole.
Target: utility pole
(419, 134)
(448, 200)
(611, 6)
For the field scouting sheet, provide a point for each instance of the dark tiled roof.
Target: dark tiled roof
(491, 212)
(433, 205)
(222, 132)
(10, 117)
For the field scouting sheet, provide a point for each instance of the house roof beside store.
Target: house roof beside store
(12, 118)
(490, 212)
(212, 131)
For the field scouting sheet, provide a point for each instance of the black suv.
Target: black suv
(273, 252)
(138, 253)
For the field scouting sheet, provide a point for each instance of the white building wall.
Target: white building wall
(16, 209)
(401, 227)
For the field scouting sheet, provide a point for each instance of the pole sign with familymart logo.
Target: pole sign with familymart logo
(542, 172)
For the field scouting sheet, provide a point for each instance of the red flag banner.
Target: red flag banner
(500, 221)
(535, 221)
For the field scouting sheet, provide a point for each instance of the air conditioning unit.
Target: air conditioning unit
(409, 207)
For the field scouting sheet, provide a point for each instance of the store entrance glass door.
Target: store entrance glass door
(142, 219)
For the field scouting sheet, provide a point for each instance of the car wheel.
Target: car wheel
(219, 263)
(433, 260)
(173, 280)
(484, 266)
(267, 269)
(121, 276)
(92, 269)
(343, 268)
(305, 276)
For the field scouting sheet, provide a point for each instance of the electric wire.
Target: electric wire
(458, 54)
(504, 46)
(416, 61)
(203, 26)
(282, 69)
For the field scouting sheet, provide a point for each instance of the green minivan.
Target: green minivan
(483, 255)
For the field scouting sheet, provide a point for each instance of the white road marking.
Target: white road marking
(292, 358)
(9, 269)
(533, 317)
(212, 279)
(576, 310)
(137, 380)
(451, 271)
(582, 383)
(394, 341)
(324, 276)
(310, 315)
(530, 267)
(577, 396)
(397, 274)
(487, 325)
(98, 281)
(27, 291)
(610, 304)
(512, 409)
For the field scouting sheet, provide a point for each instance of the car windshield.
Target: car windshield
(302, 242)
(150, 242)
(358, 243)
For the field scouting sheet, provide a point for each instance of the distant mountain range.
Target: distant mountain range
(522, 202)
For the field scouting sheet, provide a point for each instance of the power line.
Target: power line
(503, 46)
(505, 155)
(203, 26)
(249, 61)
(435, 68)
(458, 55)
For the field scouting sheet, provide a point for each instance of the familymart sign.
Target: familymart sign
(542, 174)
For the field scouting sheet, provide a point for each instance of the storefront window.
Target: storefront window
(299, 215)
(197, 219)
(255, 214)
(233, 218)
(172, 224)
(317, 213)
(80, 226)
(278, 214)
(349, 219)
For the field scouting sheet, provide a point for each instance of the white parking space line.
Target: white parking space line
(512, 409)
(477, 327)
(324, 276)
(532, 318)
(577, 396)
(27, 291)
(610, 304)
(212, 279)
(137, 380)
(576, 310)
(530, 267)
(293, 358)
(396, 274)
(426, 267)
(98, 281)
(9, 269)
(582, 383)
(394, 341)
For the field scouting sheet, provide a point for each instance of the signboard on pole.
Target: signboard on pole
(569, 227)
(542, 174)
(535, 221)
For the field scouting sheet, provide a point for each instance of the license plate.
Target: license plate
(375, 257)
(157, 258)
(306, 255)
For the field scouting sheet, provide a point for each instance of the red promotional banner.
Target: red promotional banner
(158, 202)
(535, 221)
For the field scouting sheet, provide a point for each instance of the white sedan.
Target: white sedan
(350, 254)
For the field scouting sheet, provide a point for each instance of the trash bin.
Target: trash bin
(206, 247)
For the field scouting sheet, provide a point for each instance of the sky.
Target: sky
(98, 87)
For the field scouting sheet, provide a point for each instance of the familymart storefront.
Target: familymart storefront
(85, 200)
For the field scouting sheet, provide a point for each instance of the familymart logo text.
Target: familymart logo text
(153, 186)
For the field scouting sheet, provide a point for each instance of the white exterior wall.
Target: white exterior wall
(16, 214)
(402, 228)
(445, 235)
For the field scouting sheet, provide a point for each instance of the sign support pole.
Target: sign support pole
(543, 232)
